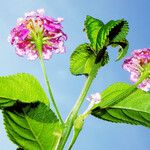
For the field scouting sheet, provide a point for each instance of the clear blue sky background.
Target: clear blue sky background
(97, 134)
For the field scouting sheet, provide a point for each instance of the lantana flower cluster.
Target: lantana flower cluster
(136, 64)
(25, 33)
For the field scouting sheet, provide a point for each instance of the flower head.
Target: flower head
(136, 64)
(35, 24)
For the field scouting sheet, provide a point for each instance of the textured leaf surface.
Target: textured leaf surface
(82, 60)
(32, 126)
(92, 28)
(102, 35)
(119, 31)
(20, 87)
(134, 109)
(113, 31)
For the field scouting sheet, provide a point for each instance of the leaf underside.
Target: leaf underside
(32, 126)
(29, 122)
(134, 109)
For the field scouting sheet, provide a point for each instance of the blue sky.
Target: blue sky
(97, 134)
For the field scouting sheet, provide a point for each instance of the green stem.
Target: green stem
(75, 136)
(78, 125)
(50, 91)
(72, 116)
(39, 47)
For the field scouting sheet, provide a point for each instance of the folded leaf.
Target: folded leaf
(123, 48)
(32, 126)
(20, 87)
(132, 109)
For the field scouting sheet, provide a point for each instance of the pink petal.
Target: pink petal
(32, 55)
(59, 19)
(41, 12)
(47, 54)
(20, 52)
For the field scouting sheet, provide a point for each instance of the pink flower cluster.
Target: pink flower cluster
(23, 36)
(135, 65)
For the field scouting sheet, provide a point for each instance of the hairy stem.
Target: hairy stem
(39, 47)
(75, 136)
(78, 125)
(73, 115)
(50, 91)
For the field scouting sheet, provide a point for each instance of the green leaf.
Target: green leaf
(86, 56)
(32, 126)
(132, 109)
(119, 31)
(20, 87)
(92, 28)
(113, 31)
(82, 60)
